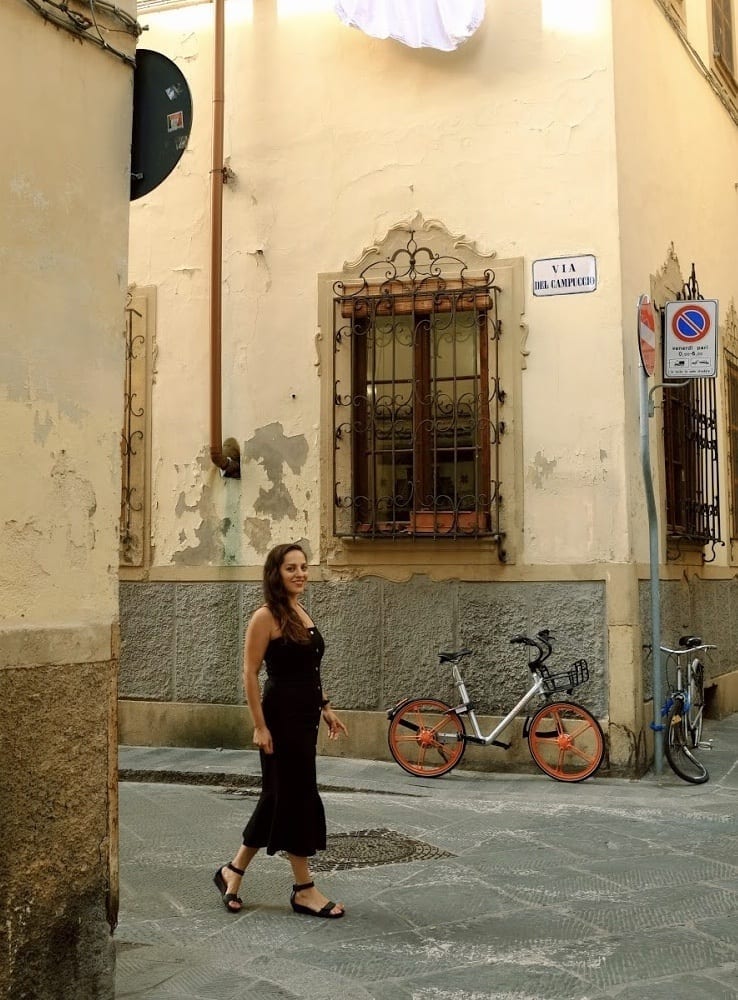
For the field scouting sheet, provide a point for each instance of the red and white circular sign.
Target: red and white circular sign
(647, 334)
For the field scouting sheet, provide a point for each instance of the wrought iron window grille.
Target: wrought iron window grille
(132, 438)
(691, 458)
(417, 399)
(731, 391)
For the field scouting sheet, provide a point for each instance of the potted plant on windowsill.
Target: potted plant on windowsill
(445, 522)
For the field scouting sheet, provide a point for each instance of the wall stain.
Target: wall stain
(213, 531)
(540, 469)
(41, 429)
(258, 531)
(272, 450)
(76, 504)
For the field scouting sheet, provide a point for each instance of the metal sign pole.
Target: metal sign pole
(690, 352)
(653, 539)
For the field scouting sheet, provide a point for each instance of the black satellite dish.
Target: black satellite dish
(162, 119)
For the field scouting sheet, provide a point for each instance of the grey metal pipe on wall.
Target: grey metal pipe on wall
(226, 456)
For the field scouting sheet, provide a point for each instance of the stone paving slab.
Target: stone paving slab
(541, 891)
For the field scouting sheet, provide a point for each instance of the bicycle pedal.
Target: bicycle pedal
(705, 744)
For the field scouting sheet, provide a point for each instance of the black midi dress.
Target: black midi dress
(289, 815)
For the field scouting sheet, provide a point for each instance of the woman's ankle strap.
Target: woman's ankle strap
(305, 885)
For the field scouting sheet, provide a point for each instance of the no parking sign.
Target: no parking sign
(690, 339)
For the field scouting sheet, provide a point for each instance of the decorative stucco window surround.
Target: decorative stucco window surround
(422, 347)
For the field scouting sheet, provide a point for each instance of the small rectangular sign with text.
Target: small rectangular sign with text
(565, 275)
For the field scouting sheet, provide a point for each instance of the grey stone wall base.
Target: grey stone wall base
(708, 608)
(183, 642)
(169, 724)
(58, 888)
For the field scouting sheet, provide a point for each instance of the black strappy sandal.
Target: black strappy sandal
(222, 887)
(299, 908)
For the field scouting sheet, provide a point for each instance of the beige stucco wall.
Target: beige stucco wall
(64, 187)
(676, 153)
(334, 138)
(63, 271)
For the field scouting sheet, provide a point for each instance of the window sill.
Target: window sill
(433, 524)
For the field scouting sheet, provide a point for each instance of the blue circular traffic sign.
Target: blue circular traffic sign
(691, 323)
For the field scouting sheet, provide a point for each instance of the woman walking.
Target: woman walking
(289, 815)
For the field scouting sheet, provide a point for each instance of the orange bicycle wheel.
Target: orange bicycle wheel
(566, 741)
(426, 737)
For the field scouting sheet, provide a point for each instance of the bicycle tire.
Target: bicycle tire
(677, 747)
(412, 737)
(566, 741)
(696, 701)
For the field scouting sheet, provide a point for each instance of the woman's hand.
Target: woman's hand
(335, 726)
(263, 739)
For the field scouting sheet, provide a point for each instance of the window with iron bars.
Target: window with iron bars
(691, 456)
(691, 463)
(416, 402)
(731, 381)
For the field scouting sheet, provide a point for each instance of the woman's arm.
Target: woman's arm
(258, 634)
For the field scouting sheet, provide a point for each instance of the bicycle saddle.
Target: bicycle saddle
(690, 641)
(450, 657)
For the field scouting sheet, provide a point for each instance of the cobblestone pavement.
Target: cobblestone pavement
(470, 887)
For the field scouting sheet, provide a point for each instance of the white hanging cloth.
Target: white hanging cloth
(434, 24)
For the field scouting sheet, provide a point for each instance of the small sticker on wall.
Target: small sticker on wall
(175, 121)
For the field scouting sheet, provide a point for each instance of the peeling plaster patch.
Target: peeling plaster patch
(258, 531)
(16, 378)
(217, 537)
(271, 449)
(541, 469)
(20, 187)
(75, 413)
(41, 430)
(305, 546)
(181, 506)
(210, 547)
(277, 502)
(76, 505)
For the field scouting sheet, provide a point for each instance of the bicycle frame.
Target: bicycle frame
(427, 737)
(683, 684)
(467, 709)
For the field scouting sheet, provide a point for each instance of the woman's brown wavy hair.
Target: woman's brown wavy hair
(276, 597)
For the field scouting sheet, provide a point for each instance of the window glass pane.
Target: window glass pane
(390, 345)
(722, 31)
(455, 344)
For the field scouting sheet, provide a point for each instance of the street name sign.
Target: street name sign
(565, 275)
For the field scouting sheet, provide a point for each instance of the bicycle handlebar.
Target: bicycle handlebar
(541, 643)
(683, 650)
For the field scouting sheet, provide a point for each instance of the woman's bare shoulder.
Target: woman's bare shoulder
(262, 618)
